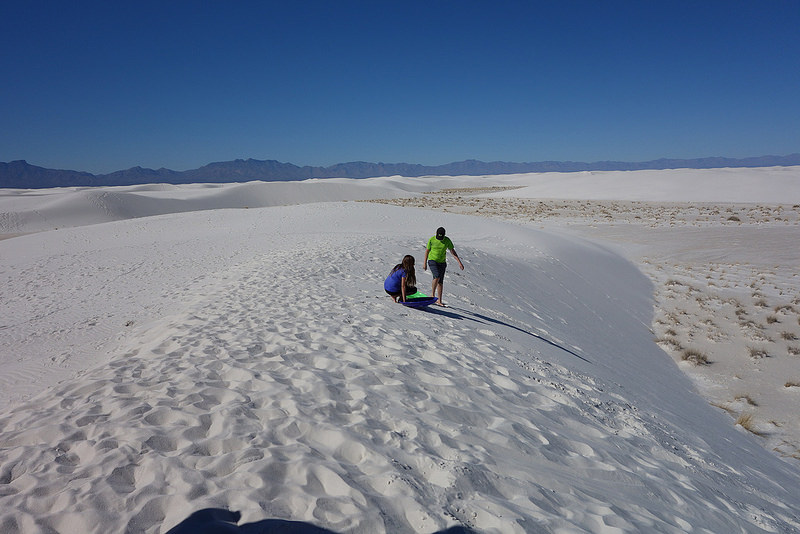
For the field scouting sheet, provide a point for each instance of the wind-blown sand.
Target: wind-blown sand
(248, 358)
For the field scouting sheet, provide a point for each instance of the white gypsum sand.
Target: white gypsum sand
(727, 275)
(248, 359)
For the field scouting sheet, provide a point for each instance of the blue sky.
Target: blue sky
(103, 86)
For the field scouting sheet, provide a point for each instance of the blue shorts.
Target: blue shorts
(437, 269)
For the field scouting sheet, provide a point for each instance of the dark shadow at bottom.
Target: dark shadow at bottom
(220, 521)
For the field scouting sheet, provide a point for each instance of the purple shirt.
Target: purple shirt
(394, 281)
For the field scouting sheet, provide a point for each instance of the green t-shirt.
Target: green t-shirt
(437, 250)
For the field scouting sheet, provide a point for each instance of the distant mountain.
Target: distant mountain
(21, 174)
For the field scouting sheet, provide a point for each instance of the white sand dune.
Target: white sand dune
(779, 185)
(23, 211)
(248, 359)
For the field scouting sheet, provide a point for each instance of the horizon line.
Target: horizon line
(469, 160)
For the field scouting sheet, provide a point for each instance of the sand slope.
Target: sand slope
(263, 370)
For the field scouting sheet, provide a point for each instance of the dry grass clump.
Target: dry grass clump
(793, 351)
(772, 319)
(747, 421)
(757, 353)
(792, 384)
(746, 398)
(695, 357)
(789, 336)
(669, 343)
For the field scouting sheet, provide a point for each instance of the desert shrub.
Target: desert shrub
(748, 422)
(772, 319)
(669, 343)
(746, 398)
(757, 353)
(695, 357)
(734, 218)
(789, 336)
(792, 384)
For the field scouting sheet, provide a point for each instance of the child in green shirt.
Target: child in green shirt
(436, 259)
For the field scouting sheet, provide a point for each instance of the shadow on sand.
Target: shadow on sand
(220, 521)
(462, 314)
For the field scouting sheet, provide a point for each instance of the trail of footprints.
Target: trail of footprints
(229, 404)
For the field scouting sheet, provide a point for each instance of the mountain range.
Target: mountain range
(21, 174)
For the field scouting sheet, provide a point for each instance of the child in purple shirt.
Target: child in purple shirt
(402, 281)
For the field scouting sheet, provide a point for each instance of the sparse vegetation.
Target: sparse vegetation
(669, 344)
(757, 353)
(695, 357)
(713, 315)
(746, 398)
(747, 421)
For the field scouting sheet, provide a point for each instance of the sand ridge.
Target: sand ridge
(727, 289)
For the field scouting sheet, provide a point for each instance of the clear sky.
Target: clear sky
(105, 85)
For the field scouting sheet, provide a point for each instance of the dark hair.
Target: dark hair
(408, 266)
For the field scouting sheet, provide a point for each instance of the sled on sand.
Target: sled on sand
(418, 300)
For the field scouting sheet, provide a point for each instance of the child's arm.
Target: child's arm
(455, 255)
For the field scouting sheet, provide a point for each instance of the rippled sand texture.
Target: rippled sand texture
(727, 289)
